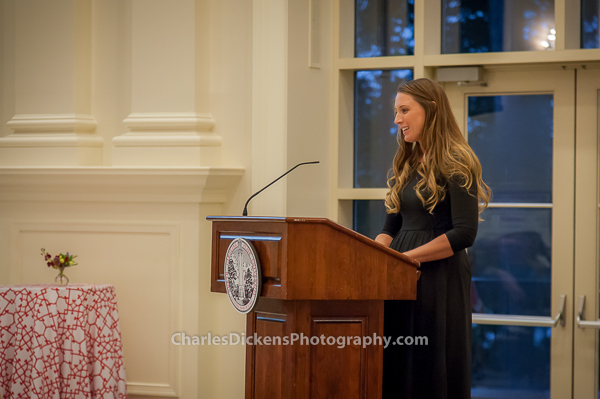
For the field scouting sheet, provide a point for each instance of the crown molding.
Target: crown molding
(119, 184)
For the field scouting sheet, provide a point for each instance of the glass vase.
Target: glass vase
(61, 279)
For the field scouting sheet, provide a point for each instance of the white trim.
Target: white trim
(519, 205)
(513, 57)
(175, 129)
(45, 123)
(33, 132)
(587, 230)
(193, 184)
(390, 62)
(167, 140)
(29, 140)
(517, 58)
(314, 34)
(170, 121)
(162, 390)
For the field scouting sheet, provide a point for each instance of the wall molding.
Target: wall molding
(123, 184)
(175, 129)
(175, 321)
(34, 133)
(44, 140)
(170, 121)
(52, 123)
(52, 130)
(167, 140)
(160, 390)
(170, 139)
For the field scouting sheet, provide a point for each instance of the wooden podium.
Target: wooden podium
(322, 281)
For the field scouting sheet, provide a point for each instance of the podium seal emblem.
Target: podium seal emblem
(242, 275)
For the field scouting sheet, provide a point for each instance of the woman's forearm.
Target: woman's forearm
(384, 239)
(438, 248)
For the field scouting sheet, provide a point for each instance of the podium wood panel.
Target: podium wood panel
(317, 371)
(332, 364)
(315, 259)
(318, 279)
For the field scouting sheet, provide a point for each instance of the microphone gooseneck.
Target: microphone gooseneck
(245, 212)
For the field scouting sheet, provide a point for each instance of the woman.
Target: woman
(433, 212)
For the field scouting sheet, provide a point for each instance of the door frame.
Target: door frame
(587, 185)
(559, 81)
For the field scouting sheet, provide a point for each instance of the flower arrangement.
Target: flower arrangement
(60, 262)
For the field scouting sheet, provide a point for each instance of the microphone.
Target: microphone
(245, 213)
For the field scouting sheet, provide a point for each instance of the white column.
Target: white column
(170, 123)
(269, 105)
(53, 124)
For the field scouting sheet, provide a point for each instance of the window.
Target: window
(384, 27)
(482, 26)
(590, 10)
(374, 129)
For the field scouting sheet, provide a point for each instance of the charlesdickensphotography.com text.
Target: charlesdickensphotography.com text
(182, 339)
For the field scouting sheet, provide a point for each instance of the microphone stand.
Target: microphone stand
(245, 212)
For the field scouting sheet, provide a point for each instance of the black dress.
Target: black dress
(442, 311)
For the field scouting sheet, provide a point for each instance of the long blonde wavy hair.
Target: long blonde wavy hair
(444, 152)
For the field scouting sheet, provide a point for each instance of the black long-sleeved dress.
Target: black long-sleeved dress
(442, 310)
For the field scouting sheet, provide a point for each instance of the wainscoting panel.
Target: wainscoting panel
(142, 261)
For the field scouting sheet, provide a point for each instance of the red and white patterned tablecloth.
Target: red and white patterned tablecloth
(60, 342)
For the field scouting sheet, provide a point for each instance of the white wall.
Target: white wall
(154, 122)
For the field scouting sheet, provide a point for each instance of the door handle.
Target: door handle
(581, 322)
(528, 321)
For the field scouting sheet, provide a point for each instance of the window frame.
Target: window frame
(426, 60)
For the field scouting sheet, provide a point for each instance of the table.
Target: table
(60, 342)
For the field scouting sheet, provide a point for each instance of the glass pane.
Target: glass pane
(512, 136)
(368, 217)
(481, 26)
(510, 362)
(511, 262)
(384, 27)
(374, 129)
(590, 10)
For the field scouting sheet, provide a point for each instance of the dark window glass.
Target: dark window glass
(590, 10)
(374, 129)
(511, 259)
(368, 217)
(384, 27)
(481, 26)
(512, 136)
(510, 362)
(511, 262)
